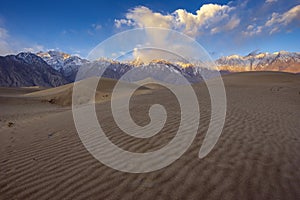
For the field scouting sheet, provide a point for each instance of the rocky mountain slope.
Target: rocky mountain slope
(63, 62)
(55, 68)
(159, 69)
(278, 61)
(156, 69)
(27, 69)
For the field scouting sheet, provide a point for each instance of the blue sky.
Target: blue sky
(221, 27)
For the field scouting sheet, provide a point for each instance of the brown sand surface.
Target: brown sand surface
(256, 157)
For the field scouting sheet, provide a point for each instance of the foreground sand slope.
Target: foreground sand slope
(63, 95)
(257, 156)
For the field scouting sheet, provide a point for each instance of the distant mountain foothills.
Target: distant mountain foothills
(53, 68)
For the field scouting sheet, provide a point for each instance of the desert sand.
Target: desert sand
(256, 157)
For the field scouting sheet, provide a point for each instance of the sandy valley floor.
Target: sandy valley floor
(256, 157)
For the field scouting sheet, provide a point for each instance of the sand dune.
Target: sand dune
(256, 157)
(63, 95)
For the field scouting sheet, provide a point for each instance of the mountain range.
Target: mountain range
(55, 68)
(278, 61)
(63, 63)
(27, 69)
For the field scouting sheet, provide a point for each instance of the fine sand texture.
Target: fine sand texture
(256, 157)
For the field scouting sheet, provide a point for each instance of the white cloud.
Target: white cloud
(292, 15)
(3, 33)
(34, 48)
(120, 22)
(94, 28)
(97, 26)
(209, 18)
(4, 48)
(271, 1)
(4, 44)
(276, 22)
(253, 30)
(68, 31)
(274, 30)
(233, 23)
(144, 17)
(9, 45)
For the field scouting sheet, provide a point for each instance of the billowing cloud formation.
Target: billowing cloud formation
(210, 18)
(144, 17)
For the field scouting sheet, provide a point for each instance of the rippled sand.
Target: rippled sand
(256, 157)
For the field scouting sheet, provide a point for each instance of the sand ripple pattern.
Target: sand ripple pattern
(256, 157)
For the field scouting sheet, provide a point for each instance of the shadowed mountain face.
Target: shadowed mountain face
(27, 69)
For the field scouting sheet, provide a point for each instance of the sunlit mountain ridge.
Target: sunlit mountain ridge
(60, 68)
(277, 61)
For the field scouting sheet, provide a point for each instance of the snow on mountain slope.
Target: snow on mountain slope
(54, 68)
(66, 64)
(278, 61)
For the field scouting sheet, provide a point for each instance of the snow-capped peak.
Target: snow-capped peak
(62, 62)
